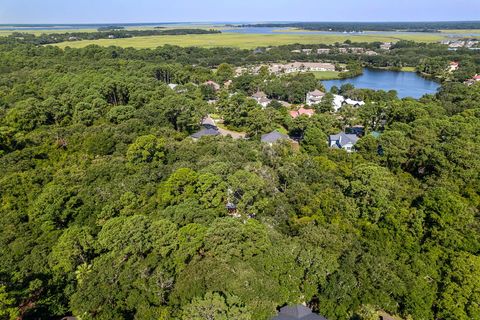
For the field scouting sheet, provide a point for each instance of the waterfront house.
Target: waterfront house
(343, 141)
(354, 103)
(337, 102)
(314, 97)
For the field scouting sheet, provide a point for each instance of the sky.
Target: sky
(134, 11)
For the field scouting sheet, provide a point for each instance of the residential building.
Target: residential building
(337, 102)
(314, 97)
(285, 104)
(343, 141)
(301, 67)
(297, 312)
(273, 137)
(371, 53)
(352, 50)
(302, 112)
(296, 51)
(386, 46)
(206, 132)
(354, 103)
(261, 99)
(453, 66)
(307, 51)
(323, 51)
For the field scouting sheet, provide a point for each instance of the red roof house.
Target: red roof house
(302, 111)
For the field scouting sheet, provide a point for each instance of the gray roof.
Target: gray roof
(299, 312)
(343, 139)
(273, 137)
(259, 94)
(205, 132)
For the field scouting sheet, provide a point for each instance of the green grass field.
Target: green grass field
(409, 69)
(245, 41)
(462, 31)
(326, 75)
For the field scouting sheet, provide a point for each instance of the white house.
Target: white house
(354, 103)
(337, 102)
(261, 99)
(314, 97)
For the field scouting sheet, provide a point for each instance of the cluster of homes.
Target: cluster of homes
(456, 44)
(341, 140)
(312, 98)
(293, 67)
(473, 80)
(352, 50)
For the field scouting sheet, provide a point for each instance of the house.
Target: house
(296, 51)
(473, 80)
(314, 97)
(214, 85)
(284, 104)
(205, 133)
(337, 102)
(307, 51)
(323, 51)
(302, 112)
(274, 137)
(261, 99)
(371, 53)
(172, 86)
(357, 50)
(111, 36)
(297, 312)
(453, 66)
(343, 141)
(386, 46)
(354, 103)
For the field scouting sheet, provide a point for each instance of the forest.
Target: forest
(103, 33)
(109, 210)
(376, 26)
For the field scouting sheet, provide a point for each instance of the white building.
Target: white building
(314, 97)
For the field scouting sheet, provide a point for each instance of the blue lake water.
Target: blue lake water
(407, 84)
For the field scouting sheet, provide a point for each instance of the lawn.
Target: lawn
(244, 41)
(326, 75)
(409, 69)
(462, 31)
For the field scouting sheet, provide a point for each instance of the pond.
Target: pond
(407, 84)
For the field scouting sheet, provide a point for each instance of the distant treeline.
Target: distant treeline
(76, 36)
(110, 28)
(375, 26)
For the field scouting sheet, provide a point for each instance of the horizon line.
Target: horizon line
(238, 22)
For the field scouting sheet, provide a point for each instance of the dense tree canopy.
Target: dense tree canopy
(110, 211)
